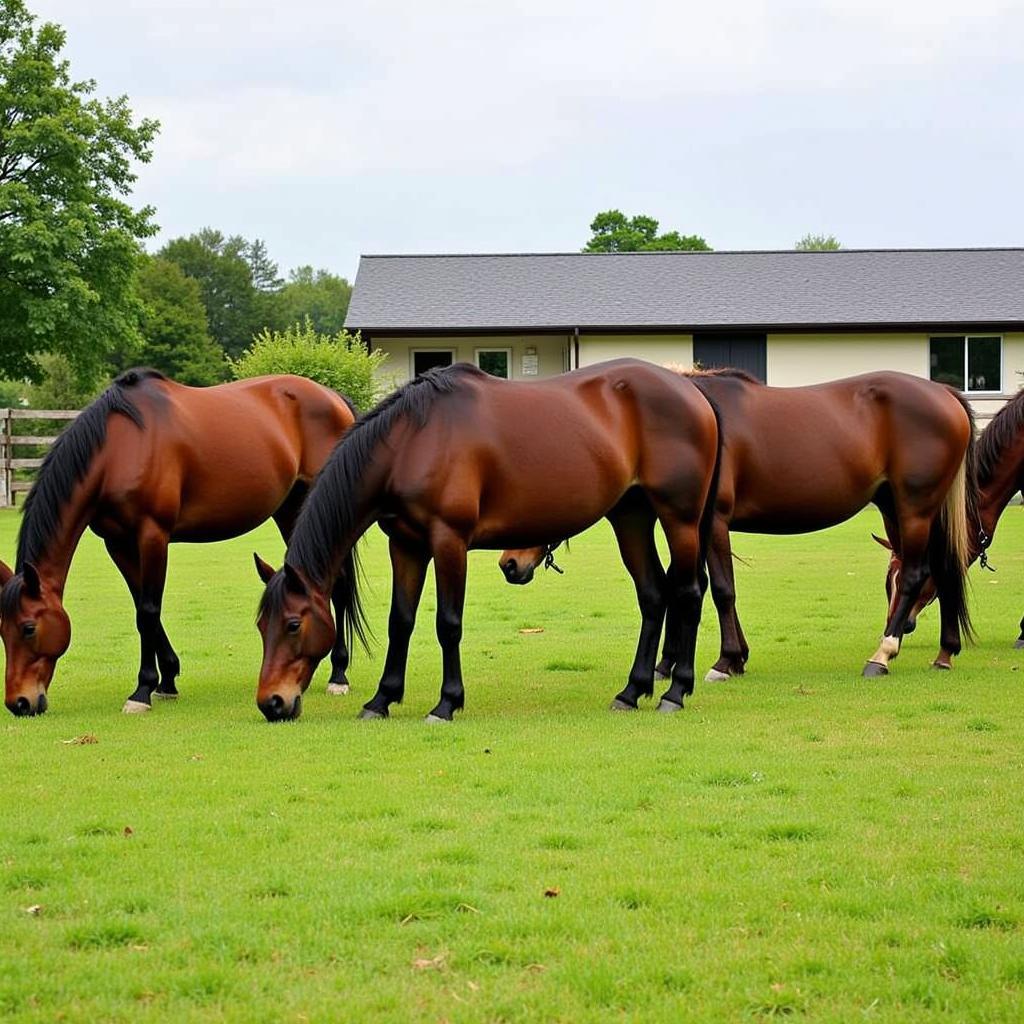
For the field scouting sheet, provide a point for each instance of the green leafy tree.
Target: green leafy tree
(613, 231)
(175, 338)
(265, 276)
(340, 361)
(220, 266)
(818, 243)
(321, 296)
(69, 240)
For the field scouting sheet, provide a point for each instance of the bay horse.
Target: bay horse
(1000, 476)
(150, 462)
(457, 459)
(800, 459)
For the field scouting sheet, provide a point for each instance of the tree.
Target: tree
(341, 361)
(612, 231)
(69, 240)
(175, 339)
(219, 265)
(818, 243)
(321, 296)
(264, 270)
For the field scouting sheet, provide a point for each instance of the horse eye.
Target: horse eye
(28, 630)
(294, 625)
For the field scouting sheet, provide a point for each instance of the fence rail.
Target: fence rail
(10, 461)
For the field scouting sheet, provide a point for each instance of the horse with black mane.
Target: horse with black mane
(150, 462)
(457, 459)
(1000, 477)
(800, 459)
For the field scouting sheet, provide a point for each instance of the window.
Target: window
(424, 359)
(495, 361)
(970, 363)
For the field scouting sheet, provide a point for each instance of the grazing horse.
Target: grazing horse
(800, 459)
(148, 462)
(457, 459)
(1000, 477)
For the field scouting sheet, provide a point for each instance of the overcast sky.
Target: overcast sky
(335, 128)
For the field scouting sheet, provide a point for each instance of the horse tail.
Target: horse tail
(707, 518)
(950, 546)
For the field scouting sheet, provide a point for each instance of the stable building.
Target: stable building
(789, 318)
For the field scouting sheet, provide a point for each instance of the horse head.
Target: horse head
(892, 587)
(36, 631)
(519, 564)
(298, 633)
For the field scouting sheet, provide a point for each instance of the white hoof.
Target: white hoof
(165, 696)
(337, 689)
(714, 676)
(435, 719)
(135, 707)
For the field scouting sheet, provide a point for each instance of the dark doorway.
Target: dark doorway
(745, 351)
(428, 360)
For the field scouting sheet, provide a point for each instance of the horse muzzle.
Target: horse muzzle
(515, 574)
(23, 707)
(277, 709)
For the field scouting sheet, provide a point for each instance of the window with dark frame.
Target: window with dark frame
(972, 363)
(495, 361)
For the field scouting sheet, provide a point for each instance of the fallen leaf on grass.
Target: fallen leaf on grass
(128, 831)
(434, 963)
(532, 629)
(81, 741)
(552, 891)
(35, 910)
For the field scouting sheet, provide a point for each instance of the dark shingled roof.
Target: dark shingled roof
(687, 290)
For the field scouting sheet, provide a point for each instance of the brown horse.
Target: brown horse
(1000, 478)
(457, 459)
(801, 459)
(149, 462)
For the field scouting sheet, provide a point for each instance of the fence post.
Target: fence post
(6, 492)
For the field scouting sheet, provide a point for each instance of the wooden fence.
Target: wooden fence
(11, 439)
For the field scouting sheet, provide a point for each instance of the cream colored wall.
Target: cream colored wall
(796, 359)
(655, 348)
(550, 353)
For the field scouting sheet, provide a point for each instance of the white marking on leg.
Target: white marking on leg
(135, 707)
(337, 689)
(888, 650)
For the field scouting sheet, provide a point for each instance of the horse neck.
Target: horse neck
(996, 493)
(54, 561)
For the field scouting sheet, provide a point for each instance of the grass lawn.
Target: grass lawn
(798, 842)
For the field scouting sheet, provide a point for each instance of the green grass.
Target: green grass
(800, 842)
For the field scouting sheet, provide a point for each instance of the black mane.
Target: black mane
(68, 461)
(1000, 433)
(329, 515)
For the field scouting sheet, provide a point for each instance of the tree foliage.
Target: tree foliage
(321, 296)
(613, 231)
(219, 265)
(175, 338)
(68, 238)
(818, 243)
(340, 361)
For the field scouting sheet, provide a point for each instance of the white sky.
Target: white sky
(335, 128)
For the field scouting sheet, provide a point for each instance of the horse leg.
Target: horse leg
(1019, 642)
(686, 584)
(634, 531)
(152, 552)
(733, 652)
(663, 670)
(127, 562)
(449, 551)
(914, 547)
(408, 571)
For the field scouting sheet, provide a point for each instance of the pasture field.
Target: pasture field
(799, 842)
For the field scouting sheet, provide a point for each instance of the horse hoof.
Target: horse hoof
(337, 689)
(873, 669)
(670, 707)
(662, 676)
(368, 713)
(1019, 643)
(432, 718)
(714, 676)
(161, 695)
(941, 667)
(134, 707)
(621, 705)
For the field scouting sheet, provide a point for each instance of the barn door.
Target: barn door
(746, 351)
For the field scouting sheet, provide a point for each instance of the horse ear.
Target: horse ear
(885, 544)
(293, 581)
(33, 587)
(265, 569)
(6, 574)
